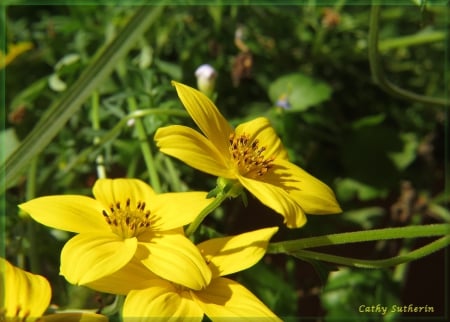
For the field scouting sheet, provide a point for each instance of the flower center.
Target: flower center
(249, 156)
(127, 221)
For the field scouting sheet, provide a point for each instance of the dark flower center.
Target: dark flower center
(249, 155)
(127, 221)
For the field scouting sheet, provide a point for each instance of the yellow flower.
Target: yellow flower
(252, 154)
(25, 297)
(14, 50)
(221, 299)
(126, 223)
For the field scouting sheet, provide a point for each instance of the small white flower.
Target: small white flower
(206, 78)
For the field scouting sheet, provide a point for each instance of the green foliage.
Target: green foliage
(337, 124)
(348, 293)
(298, 92)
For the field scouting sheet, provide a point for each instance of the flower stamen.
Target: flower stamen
(127, 221)
(249, 156)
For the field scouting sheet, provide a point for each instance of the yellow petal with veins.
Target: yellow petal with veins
(161, 302)
(175, 258)
(133, 276)
(228, 255)
(206, 115)
(173, 210)
(67, 212)
(90, 256)
(22, 294)
(275, 197)
(225, 299)
(194, 149)
(111, 192)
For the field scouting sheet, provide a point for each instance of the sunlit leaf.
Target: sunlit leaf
(298, 92)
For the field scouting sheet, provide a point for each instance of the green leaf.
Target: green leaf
(366, 218)
(11, 142)
(173, 70)
(408, 154)
(349, 188)
(298, 92)
(370, 120)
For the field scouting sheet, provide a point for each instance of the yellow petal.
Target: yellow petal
(314, 196)
(161, 302)
(68, 212)
(206, 115)
(90, 256)
(172, 210)
(292, 192)
(133, 276)
(194, 149)
(14, 50)
(74, 317)
(20, 289)
(225, 299)
(228, 255)
(261, 130)
(112, 191)
(274, 196)
(175, 258)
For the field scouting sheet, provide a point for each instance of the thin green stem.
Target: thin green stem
(377, 70)
(115, 306)
(359, 236)
(205, 212)
(95, 119)
(173, 175)
(411, 40)
(381, 263)
(30, 193)
(407, 245)
(145, 147)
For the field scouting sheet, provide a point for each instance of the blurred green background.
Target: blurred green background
(305, 67)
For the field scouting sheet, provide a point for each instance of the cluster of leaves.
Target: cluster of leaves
(308, 72)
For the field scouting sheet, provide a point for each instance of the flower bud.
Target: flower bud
(206, 79)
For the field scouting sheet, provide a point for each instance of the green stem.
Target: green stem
(95, 118)
(381, 263)
(31, 224)
(173, 175)
(115, 306)
(145, 147)
(377, 70)
(407, 245)
(205, 212)
(359, 236)
(411, 40)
